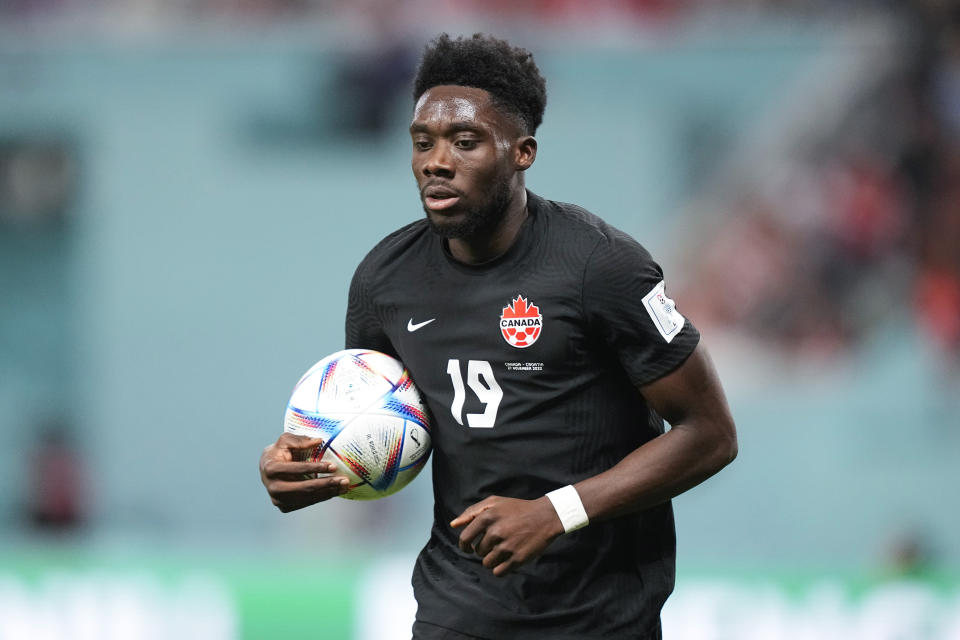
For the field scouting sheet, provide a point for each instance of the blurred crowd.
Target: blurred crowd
(860, 224)
(160, 14)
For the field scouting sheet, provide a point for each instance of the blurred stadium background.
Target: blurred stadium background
(186, 187)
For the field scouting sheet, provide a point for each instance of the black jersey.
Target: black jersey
(530, 366)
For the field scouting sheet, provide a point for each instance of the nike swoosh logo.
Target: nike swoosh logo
(413, 327)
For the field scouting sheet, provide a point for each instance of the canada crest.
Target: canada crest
(520, 323)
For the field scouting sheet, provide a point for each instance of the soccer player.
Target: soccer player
(549, 354)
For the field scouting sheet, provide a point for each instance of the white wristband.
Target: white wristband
(567, 502)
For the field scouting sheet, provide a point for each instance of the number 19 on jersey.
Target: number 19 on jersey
(481, 381)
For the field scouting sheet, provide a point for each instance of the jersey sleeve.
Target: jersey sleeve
(628, 309)
(364, 328)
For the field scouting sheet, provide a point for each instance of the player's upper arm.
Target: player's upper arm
(691, 397)
(363, 327)
(627, 307)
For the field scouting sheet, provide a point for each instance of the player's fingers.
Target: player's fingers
(470, 513)
(468, 537)
(328, 484)
(307, 443)
(487, 544)
(289, 499)
(460, 520)
(273, 452)
(291, 441)
(504, 567)
(497, 557)
(296, 470)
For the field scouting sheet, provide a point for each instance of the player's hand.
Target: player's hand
(507, 532)
(292, 483)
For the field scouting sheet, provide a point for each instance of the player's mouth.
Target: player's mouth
(438, 198)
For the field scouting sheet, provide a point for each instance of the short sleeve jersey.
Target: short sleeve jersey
(530, 366)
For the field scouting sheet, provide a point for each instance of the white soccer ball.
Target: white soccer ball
(373, 422)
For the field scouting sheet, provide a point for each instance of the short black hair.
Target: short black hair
(508, 73)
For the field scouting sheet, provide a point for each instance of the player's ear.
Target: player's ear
(525, 152)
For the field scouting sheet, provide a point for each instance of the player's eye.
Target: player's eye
(466, 143)
(421, 145)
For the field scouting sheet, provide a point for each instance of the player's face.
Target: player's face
(463, 159)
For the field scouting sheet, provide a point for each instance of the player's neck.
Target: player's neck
(485, 247)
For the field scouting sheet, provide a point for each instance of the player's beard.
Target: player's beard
(479, 219)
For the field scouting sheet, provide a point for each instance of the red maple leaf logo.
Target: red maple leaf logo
(520, 323)
(519, 309)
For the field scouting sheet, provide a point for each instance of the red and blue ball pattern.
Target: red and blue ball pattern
(371, 417)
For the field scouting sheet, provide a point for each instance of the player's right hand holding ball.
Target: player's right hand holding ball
(292, 482)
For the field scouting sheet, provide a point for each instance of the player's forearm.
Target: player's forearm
(661, 469)
(702, 441)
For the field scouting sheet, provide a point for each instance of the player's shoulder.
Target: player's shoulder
(405, 239)
(568, 217)
(573, 223)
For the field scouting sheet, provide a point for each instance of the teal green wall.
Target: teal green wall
(208, 258)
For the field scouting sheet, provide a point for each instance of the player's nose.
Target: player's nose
(439, 161)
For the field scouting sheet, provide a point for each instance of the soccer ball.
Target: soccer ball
(373, 422)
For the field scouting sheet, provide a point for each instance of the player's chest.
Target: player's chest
(505, 322)
(518, 338)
